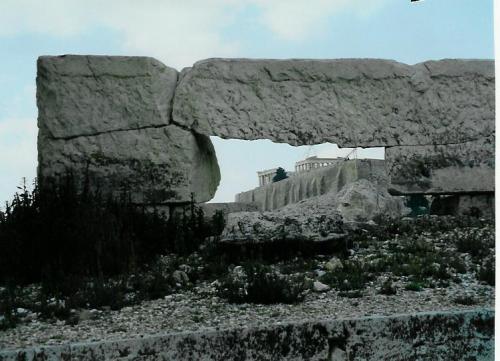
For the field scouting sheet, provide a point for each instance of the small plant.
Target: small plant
(352, 276)
(465, 300)
(351, 294)
(8, 305)
(487, 272)
(478, 242)
(414, 286)
(388, 288)
(256, 283)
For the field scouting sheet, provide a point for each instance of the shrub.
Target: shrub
(8, 305)
(478, 242)
(256, 283)
(487, 272)
(414, 286)
(465, 300)
(352, 276)
(388, 288)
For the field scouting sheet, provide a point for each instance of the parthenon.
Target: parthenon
(315, 162)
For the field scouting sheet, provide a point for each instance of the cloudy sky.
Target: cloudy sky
(180, 32)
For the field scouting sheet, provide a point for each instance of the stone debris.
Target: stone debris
(333, 264)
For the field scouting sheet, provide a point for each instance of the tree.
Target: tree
(280, 175)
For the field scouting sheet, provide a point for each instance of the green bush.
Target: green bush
(414, 286)
(256, 283)
(352, 276)
(487, 272)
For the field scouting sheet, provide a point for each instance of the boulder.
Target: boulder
(364, 201)
(155, 165)
(350, 102)
(442, 169)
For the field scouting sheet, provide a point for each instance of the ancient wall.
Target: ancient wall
(455, 335)
(314, 183)
(132, 122)
(108, 121)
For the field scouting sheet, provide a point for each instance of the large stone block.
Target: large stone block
(157, 165)
(85, 95)
(107, 120)
(442, 169)
(350, 102)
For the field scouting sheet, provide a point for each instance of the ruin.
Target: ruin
(134, 122)
(314, 162)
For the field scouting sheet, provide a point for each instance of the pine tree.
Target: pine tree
(280, 175)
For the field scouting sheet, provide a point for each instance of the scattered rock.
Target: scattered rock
(333, 264)
(320, 287)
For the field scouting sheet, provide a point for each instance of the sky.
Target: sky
(181, 32)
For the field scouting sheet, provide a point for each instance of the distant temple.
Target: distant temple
(266, 176)
(315, 162)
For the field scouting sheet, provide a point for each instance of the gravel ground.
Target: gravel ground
(198, 307)
(201, 309)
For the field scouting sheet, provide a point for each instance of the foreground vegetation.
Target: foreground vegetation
(54, 264)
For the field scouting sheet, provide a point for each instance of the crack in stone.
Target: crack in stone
(113, 131)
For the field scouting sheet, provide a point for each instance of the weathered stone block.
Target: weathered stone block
(451, 335)
(106, 119)
(482, 205)
(157, 165)
(350, 102)
(86, 95)
(442, 169)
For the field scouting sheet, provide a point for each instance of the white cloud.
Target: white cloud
(297, 19)
(177, 32)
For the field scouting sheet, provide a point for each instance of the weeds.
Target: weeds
(257, 283)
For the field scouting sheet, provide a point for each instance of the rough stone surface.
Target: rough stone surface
(465, 204)
(362, 201)
(85, 95)
(209, 209)
(108, 121)
(350, 102)
(315, 223)
(157, 165)
(423, 336)
(314, 183)
(319, 218)
(453, 168)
